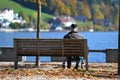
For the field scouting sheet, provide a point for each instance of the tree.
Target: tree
(67, 11)
(14, 25)
(73, 6)
(97, 13)
(80, 7)
(22, 14)
(60, 6)
(87, 10)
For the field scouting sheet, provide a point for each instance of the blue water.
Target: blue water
(96, 40)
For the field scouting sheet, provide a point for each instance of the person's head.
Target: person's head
(74, 27)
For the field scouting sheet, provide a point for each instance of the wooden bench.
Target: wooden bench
(50, 47)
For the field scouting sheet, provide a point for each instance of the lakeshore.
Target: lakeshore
(21, 30)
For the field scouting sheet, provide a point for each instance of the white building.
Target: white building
(8, 16)
(18, 19)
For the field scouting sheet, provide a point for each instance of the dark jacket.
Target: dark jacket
(73, 35)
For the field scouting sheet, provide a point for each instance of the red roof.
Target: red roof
(65, 19)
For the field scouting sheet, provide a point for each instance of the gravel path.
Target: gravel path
(54, 71)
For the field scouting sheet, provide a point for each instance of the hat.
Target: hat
(73, 25)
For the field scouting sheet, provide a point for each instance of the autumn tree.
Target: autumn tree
(73, 6)
(79, 7)
(97, 13)
(86, 10)
(53, 7)
(60, 6)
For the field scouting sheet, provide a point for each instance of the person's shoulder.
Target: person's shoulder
(66, 35)
(78, 36)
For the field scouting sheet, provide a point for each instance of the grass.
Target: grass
(15, 6)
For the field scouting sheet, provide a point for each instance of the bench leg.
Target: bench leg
(63, 65)
(82, 62)
(16, 62)
(87, 62)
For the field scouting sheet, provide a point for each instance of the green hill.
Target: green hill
(17, 8)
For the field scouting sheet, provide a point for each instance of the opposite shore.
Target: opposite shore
(17, 30)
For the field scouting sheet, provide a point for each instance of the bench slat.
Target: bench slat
(47, 46)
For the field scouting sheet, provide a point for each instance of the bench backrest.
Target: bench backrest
(50, 47)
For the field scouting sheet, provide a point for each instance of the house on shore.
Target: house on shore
(61, 23)
(81, 18)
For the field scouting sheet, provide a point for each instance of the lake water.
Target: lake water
(96, 40)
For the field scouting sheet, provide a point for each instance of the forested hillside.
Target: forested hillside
(92, 9)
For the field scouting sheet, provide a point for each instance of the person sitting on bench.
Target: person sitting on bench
(73, 34)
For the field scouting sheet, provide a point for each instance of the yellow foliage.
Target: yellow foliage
(87, 12)
(97, 13)
(35, 15)
(42, 2)
(73, 3)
